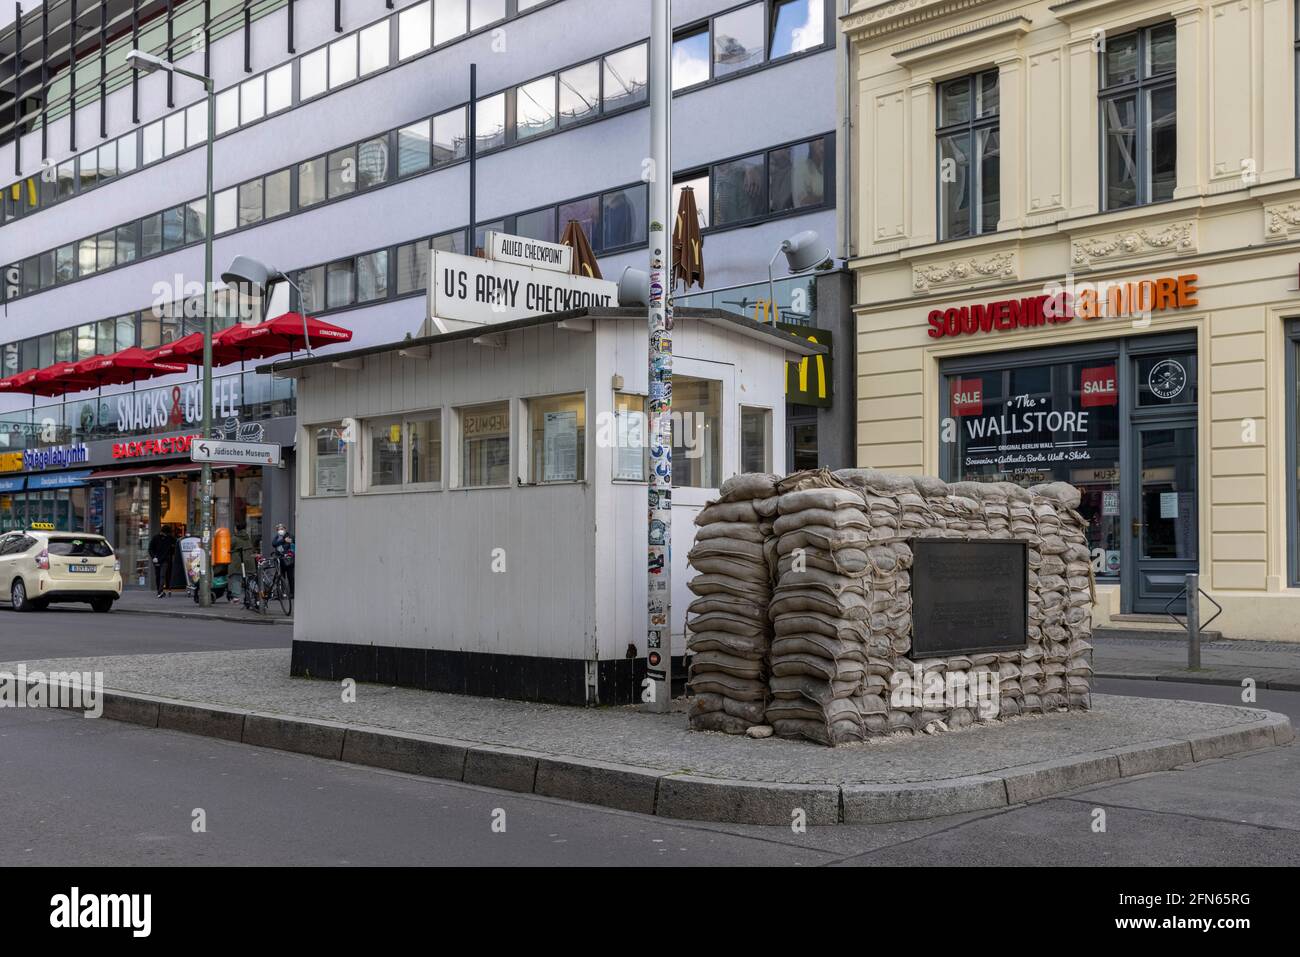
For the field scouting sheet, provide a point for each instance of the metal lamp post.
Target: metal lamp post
(659, 571)
(150, 64)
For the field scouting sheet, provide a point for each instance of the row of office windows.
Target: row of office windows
(1137, 102)
(50, 80)
(614, 220)
(352, 57)
(147, 328)
(406, 452)
(560, 100)
(787, 179)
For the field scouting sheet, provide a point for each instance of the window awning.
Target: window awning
(157, 469)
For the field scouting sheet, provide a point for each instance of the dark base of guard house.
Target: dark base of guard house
(519, 677)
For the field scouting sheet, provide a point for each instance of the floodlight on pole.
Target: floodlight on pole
(247, 271)
(804, 252)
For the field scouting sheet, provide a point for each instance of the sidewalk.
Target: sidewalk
(1271, 664)
(627, 758)
(178, 604)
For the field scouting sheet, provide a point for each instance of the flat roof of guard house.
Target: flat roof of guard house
(578, 318)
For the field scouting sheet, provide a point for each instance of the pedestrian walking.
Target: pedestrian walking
(162, 547)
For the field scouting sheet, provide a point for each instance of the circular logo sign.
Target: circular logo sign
(1167, 379)
(654, 659)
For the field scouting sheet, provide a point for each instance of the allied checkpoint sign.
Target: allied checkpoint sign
(469, 291)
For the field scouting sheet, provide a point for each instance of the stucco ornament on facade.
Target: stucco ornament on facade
(1129, 243)
(883, 18)
(998, 266)
(1281, 221)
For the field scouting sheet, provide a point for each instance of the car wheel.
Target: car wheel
(102, 605)
(18, 596)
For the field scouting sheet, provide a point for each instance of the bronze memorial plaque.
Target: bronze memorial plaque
(968, 596)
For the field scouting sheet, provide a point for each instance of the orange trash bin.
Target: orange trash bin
(221, 547)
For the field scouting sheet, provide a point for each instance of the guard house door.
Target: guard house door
(1162, 494)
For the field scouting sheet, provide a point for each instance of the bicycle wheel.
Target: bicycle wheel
(282, 593)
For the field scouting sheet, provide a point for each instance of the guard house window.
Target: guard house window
(697, 432)
(1139, 117)
(424, 449)
(484, 445)
(755, 439)
(557, 432)
(327, 474)
(631, 448)
(385, 450)
(968, 162)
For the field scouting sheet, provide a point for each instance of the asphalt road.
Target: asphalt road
(71, 631)
(81, 792)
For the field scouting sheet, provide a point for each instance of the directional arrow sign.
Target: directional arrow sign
(235, 453)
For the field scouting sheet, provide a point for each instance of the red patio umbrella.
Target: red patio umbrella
(287, 333)
(129, 365)
(28, 383)
(62, 378)
(185, 349)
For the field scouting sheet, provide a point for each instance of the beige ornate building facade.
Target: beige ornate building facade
(1076, 246)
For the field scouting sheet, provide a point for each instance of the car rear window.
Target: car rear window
(80, 547)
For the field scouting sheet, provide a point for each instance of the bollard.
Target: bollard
(1193, 621)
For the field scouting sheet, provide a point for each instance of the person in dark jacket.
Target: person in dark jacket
(161, 549)
(283, 548)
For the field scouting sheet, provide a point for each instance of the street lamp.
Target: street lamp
(247, 271)
(148, 63)
(804, 252)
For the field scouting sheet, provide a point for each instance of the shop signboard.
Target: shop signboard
(58, 480)
(808, 380)
(470, 291)
(177, 407)
(1062, 303)
(55, 457)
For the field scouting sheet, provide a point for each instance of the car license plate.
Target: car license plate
(87, 569)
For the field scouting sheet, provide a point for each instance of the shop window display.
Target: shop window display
(1047, 423)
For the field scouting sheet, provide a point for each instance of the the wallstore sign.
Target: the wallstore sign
(1062, 304)
(149, 448)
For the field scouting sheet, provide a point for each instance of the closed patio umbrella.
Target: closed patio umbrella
(584, 257)
(688, 244)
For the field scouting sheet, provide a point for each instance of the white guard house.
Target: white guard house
(472, 503)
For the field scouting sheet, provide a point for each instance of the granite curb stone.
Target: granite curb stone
(685, 795)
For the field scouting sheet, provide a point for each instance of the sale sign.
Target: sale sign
(1099, 386)
(968, 397)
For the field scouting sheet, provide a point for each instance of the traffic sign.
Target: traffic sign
(236, 453)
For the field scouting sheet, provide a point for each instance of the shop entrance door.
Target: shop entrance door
(1164, 516)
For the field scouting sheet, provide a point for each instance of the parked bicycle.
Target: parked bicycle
(272, 586)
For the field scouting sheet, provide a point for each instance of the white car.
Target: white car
(40, 566)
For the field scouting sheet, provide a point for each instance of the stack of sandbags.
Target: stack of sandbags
(728, 629)
(1066, 581)
(833, 610)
